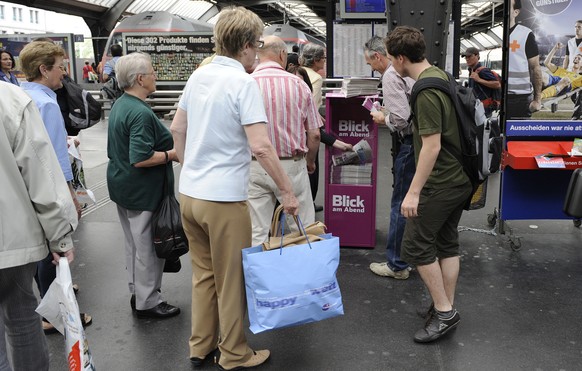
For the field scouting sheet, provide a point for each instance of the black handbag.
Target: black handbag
(170, 241)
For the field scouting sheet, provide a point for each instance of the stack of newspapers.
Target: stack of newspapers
(351, 174)
(353, 167)
(356, 86)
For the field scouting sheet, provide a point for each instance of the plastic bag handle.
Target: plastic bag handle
(301, 230)
(64, 272)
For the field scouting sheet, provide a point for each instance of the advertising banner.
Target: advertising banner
(174, 55)
(15, 43)
(545, 62)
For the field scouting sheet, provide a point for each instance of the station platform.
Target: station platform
(520, 310)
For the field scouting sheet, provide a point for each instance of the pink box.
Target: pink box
(350, 208)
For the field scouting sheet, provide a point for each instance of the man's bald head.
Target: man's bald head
(273, 50)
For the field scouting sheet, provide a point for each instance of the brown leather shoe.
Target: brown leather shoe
(258, 358)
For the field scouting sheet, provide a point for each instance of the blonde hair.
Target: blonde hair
(235, 28)
(37, 53)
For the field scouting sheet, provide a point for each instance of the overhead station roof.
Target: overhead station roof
(308, 16)
(481, 24)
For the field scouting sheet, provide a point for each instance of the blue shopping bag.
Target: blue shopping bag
(292, 285)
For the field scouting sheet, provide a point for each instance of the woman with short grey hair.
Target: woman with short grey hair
(313, 59)
(140, 150)
(132, 67)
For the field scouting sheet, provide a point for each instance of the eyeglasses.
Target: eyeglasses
(155, 74)
(259, 44)
(61, 67)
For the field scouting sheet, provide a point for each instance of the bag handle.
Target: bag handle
(172, 224)
(63, 275)
(275, 222)
(301, 230)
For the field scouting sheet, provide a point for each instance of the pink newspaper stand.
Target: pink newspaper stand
(350, 178)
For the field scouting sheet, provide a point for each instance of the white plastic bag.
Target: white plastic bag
(59, 307)
(84, 195)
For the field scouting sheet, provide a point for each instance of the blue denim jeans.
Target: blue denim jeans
(26, 341)
(404, 168)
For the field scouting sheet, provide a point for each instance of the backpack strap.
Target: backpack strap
(430, 83)
(448, 88)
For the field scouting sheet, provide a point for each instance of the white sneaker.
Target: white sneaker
(382, 269)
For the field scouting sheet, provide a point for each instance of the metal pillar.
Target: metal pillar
(430, 17)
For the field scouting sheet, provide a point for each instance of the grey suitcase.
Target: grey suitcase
(573, 201)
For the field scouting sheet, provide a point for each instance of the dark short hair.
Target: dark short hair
(517, 4)
(116, 50)
(11, 57)
(408, 42)
(292, 58)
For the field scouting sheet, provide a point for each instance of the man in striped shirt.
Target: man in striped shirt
(293, 126)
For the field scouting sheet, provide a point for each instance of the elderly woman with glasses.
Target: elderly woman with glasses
(140, 151)
(42, 64)
(219, 124)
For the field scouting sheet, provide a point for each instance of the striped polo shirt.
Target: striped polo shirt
(290, 108)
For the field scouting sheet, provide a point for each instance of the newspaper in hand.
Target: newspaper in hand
(361, 154)
(370, 104)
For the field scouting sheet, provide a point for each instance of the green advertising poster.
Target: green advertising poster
(174, 55)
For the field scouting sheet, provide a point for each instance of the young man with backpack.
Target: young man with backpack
(111, 89)
(109, 69)
(440, 188)
(486, 84)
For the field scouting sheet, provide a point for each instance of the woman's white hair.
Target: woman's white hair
(129, 66)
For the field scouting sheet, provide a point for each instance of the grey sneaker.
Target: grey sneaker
(382, 269)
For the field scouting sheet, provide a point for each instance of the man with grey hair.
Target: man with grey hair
(294, 132)
(396, 92)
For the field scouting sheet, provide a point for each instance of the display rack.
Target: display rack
(527, 190)
(350, 208)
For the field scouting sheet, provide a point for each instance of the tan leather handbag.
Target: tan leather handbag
(312, 231)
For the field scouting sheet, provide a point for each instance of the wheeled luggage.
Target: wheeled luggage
(573, 201)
